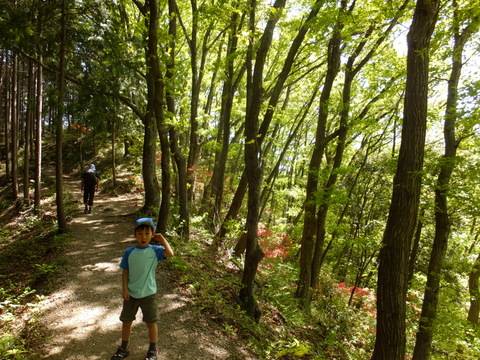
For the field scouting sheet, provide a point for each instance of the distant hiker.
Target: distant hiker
(90, 179)
(139, 285)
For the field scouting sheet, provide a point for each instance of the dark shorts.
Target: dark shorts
(147, 304)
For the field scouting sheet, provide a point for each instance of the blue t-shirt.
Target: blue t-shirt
(141, 264)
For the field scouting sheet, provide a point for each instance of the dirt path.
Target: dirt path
(82, 315)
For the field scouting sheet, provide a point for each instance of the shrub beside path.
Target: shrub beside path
(81, 315)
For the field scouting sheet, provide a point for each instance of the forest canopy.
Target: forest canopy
(336, 140)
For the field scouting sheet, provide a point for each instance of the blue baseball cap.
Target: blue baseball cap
(145, 221)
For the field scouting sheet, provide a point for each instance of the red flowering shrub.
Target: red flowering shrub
(361, 298)
(78, 127)
(273, 245)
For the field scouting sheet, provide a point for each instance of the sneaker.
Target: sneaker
(151, 355)
(121, 353)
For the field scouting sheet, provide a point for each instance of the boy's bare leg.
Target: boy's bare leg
(152, 332)
(126, 330)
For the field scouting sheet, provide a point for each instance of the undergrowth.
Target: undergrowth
(285, 332)
(337, 325)
(20, 329)
(30, 249)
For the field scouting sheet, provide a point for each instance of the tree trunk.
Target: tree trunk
(149, 169)
(196, 81)
(164, 212)
(8, 119)
(208, 192)
(426, 328)
(262, 132)
(14, 128)
(415, 248)
(28, 132)
(38, 135)
(352, 68)
(162, 128)
(268, 184)
(235, 206)
(154, 110)
(62, 222)
(309, 226)
(217, 184)
(474, 290)
(114, 165)
(181, 164)
(394, 255)
(180, 161)
(252, 167)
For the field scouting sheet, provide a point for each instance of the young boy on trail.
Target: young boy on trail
(139, 285)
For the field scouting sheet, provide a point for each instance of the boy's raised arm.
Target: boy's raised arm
(168, 250)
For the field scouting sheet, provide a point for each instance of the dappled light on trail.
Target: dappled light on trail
(82, 316)
(101, 267)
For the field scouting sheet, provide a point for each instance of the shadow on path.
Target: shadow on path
(82, 314)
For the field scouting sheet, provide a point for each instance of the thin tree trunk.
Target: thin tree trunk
(114, 150)
(196, 80)
(38, 135)
(180, 161)
(8, 120)
(62, 222)
(263, 130)
(415, 248)
(293, 134)
(154, 109)
(353, 67)
(14, 128)
(28, 132)
(474, 290)
(426, 328)
(217, 184)
(181, 164)
(235, 206)
(308, 236)
(394, 254)
(252, 168)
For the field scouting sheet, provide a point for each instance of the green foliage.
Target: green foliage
(291, 348)
(4, 204)
(148, 212)
(11, 347)
(32, 244)
(44, 269)
(12, 343)
(197, 223)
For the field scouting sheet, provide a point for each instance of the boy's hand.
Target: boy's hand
(158, 237)
(168, 250)
(126, 296)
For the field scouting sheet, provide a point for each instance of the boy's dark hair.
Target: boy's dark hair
(143, 227)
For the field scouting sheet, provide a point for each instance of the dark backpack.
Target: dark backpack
(90, 179)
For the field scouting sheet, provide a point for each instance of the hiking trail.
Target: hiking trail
(81, 315)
